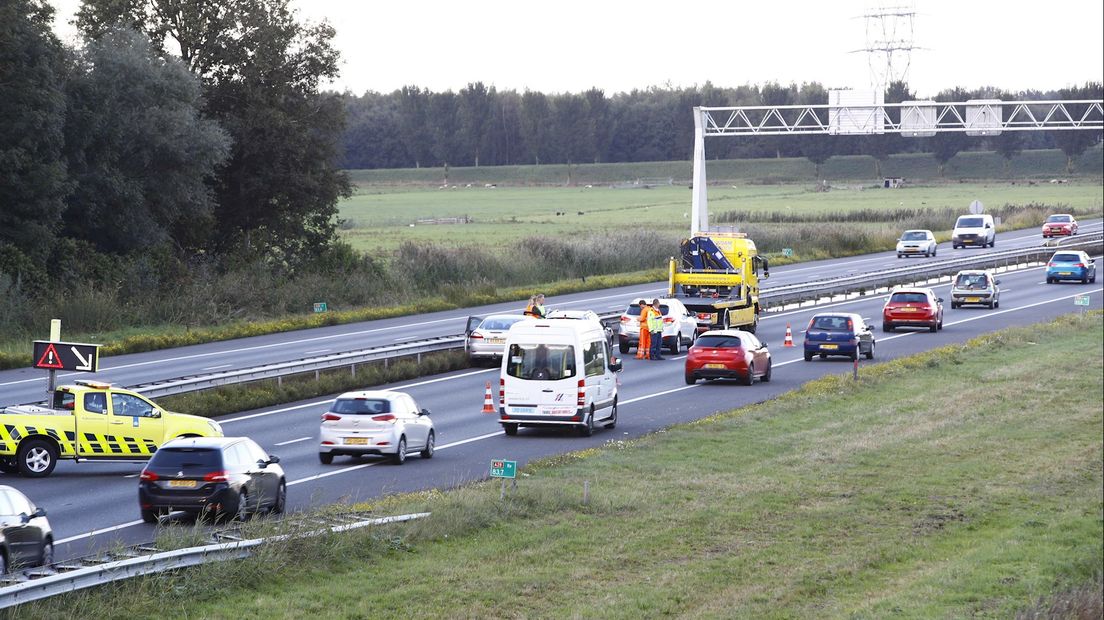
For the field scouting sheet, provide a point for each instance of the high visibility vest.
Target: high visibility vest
(655, 321)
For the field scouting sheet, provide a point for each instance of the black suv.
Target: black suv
(227, 477)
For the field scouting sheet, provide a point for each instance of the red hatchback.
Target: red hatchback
(913, 307)
(1059, 224)
(728, 353)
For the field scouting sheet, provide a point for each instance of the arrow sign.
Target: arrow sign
(66, 356)
(85, 363)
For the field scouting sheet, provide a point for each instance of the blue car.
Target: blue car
(838, 333)
(1071, 265)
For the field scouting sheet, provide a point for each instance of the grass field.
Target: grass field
(882, 498)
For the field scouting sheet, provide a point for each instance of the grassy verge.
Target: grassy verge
(959, 482)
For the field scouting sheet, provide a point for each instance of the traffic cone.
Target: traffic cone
(488, 405)
(789, 337)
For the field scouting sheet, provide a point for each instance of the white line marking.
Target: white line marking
(105, 530)
(284, 443)
(315, 351)
(219, 366)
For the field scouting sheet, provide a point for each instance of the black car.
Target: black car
(25, 535)
(226, 477)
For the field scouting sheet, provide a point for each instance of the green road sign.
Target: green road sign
(1081, 300)
(787, 251)
(320, 307)
(503, 469)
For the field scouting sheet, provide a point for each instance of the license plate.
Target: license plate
(972, 300)
(714, 366)
(906, 309)
(519, 410)
(182, 484)
(356, 441)
(496, 341)
(1065, 273)
(830, 347)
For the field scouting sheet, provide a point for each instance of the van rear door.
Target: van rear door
(541, 378)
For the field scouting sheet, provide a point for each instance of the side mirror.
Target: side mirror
(940, 300)
(996, 281)
(424, 412)
(39, 512)
(615, 364)
(156, 413)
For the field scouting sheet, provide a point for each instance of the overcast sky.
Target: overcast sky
(620, 45)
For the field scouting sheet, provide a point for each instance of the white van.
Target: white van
(557, 372)
(976, 230)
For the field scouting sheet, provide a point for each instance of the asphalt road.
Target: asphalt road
(28, 384)
(95, 504)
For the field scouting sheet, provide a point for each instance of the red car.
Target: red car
(1058, 225)
(728, 353)
(913, 307)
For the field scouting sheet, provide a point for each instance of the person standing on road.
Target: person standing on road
(643, 344)
(655, 325)
(535, 308)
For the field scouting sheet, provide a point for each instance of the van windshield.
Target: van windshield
(541, 362)
(970, 222)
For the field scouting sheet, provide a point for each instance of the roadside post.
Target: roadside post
(1082, 302)
(503, 469)
(55, 335)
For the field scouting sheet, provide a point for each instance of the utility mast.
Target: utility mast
(889, 44)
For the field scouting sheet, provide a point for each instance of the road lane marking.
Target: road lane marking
(105, 530)
(290, 441)
(219, 366)
(315, 351)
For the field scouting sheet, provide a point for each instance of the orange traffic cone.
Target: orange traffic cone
(789, 337)
(488, 404)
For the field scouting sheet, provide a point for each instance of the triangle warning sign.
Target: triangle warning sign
(50, 358)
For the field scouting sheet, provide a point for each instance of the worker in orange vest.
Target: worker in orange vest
(644, 343)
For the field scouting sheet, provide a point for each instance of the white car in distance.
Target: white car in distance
(376, 423)
(916, 242)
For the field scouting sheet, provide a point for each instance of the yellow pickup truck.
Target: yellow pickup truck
(88, 421)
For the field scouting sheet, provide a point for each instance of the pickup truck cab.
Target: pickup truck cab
(90, 420)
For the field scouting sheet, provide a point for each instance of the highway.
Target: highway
(95, 504)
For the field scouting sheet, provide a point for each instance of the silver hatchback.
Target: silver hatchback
(486, 336)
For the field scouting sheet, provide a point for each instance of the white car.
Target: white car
(680, 326)
(376, 423)
(584, 315)
(916, 242)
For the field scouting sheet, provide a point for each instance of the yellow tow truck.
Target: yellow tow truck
(90, 421)
(717, 278)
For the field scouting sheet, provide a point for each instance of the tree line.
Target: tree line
(173, 133)
(479, 125)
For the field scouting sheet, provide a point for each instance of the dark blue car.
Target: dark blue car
(1071, 265)
(838, 333)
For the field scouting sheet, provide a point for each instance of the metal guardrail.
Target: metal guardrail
(145, 559)
(776, 298)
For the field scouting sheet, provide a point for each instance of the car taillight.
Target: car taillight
(582, 393)
(148, 476)
(626, 319)
(1079, 265)
(387, 417)
(668, 319)
(502, 391)
(475, 335)
(705, 316)
(215, 476)
(330, 417)
(850, 325)
(1051, 265)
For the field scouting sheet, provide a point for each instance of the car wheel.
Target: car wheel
(612, 421)
(996, 304)
(750, 378)
(887, 326)
(1050, 280)
(724, 320)
(870, 353)
(280, 504)
(9, 465)
(823, 356)
(676, 344)
(1085, 279)
(808, 356)
(767, 375)
(151, 516)
(242, 515)
(586, 429)
(993, 243)
(431, 443)
(690, 378)
(325, 457)
(898, 255)
(1092, 280)
(510, 429)
(934, 327)
(47, 553)
(954, 306)
(934, 250)
(623, 346)
(37, 458)
(400, 452)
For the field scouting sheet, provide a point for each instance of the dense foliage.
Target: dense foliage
(414, 127)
